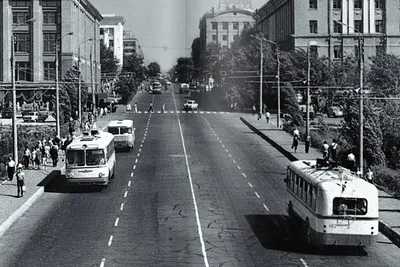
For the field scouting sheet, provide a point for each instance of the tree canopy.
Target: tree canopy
(109, 63)
(153, 69)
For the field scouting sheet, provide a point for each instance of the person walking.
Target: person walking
(27, 157)
(33, 157)
(333, 150)
(325, 150)
(295, 143)
(267, 115)
(54, 154)
(254, 109)
(38, 158)
(20, 175)
(150, 107)
(307, 143)
(135, 108)
(163, 107)
(351, 162)
(369, 176)
(10, 168)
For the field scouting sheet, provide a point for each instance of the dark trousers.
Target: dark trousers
(10, 173)
(150, 109)
(55, 160)
(26, 162)
(307, 143)
(20, 184)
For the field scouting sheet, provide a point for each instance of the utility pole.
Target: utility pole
(279, 87)
(91, 75)
(361, 109)
(308, 93)
(261, 75)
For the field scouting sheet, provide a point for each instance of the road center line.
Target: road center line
(304, 262)
(129, 183)
(244, 175)
(136, 160)
(250, 184)
(223, 146)
(230, 155)
(103, 261)
(131, 174)
(116, 222)
(239, 167)
(265, 207)
(122, 206)
(134, 166)
(140, 150)
(126, 193)
(257, 195)
(226, 150)
(138, 154)
(234, 161)
(203, 247)
(110, 240)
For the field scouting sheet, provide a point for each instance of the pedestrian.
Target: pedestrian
(295, 143)
(264, 108)
(150, 107)
(267, 115)
(70, 127)
(333, 150)
(105, 111)
(57, 140)
(135, 107)
(351, 162)
(163, 108)
(296, 132)
(101, 112)
(307, 143)
(27, 157)
(369, 176)
(254, 109)
(33, 157)
(325, 150)
(10, 168)
(54, 154)
(38, 158)
(20, 175)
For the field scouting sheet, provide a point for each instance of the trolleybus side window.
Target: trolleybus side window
(297, 185)
(349, 206)
(305, 193)
(302, 189)
(110, 149)
(124, 130)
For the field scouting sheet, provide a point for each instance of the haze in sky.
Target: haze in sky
(165, 28)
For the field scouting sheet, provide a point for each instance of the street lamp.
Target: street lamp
(79, 81)
(312, 43)
(57, 86)
(14, 91)
(361, 69)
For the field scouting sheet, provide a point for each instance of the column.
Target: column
(345, 10)
(351, 15)
(5, 29)
(37, 42)
(371, 16)
(365, 16)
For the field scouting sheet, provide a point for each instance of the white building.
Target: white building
(112, 34)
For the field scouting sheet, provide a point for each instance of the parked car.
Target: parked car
(190, 104)
(335, 111)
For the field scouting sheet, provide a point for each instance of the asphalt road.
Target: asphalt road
(197, 190)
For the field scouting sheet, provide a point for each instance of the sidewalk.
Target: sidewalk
(11, 207)
(389, 206)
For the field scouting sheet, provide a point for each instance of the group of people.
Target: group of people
(264, 112)
(135, 107)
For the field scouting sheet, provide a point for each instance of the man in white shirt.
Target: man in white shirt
(10, 168)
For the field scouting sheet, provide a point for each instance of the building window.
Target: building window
(224, 37)
(214, 25)
(358, 3)
(337, 28)
(380, 50)
(49, 17)
(111, 31)
(337, 4)
(20, 3)
(358, 25)
(313, 26)
(214, 37)
(314, 50)
(224, 25)
(49, 71)
(49, 40)
(111, 44)
(379, 26)
(236, 25)
(379, 4)
(20, 17)
(22, 42)
(101, 31)
(23, 71)
(313, 4)
(50, 3)
(337, 51)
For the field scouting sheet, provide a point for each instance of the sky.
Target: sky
(165, 28)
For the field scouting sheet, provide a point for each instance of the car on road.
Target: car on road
(190, 104)
(335, 111)
(184, 88)
(32, 116)
(193, 86)
(156, 87)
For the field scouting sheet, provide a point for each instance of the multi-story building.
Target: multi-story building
(71, 22)
(223, 27)
(332, 27)
(131, 44)
(112, 34)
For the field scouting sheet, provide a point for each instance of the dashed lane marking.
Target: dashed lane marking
(140, 150)
(303, 262)
(239, 167)
(122, 206)
(110, 240)
(138, 154)
(131, 174)
(244, 175)
(265, 207)
(230, 155)
(223, 146)
(125, 194)
(250, 184)
(134, 167)
(257, 195)
(226, 150)
(103, 261)
(116, 222)
(234, 161)
(136, 160)
(129, 183)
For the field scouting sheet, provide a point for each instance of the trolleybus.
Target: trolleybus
(124, 133)
(90, 159)
(333, 205)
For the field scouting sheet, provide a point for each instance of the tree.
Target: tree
(385, 74)
(182, 69)
(126, 87)
(109, 63)
(134, 64)
(153, 69)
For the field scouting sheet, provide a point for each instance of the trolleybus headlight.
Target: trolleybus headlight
(70, 175)
(101, 175)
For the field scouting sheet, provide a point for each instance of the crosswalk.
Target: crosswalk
(182, 112)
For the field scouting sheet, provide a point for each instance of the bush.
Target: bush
(388, 178)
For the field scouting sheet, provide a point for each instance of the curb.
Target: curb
(384, 228)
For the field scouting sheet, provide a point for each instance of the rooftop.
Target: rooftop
(111, 19)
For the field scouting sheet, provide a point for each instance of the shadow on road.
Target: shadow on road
(273, 232)
(56, 183)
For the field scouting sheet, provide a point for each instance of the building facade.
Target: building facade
(131, 44)
(332, 27)
(112, 34)
(72, 22)
(223, 27)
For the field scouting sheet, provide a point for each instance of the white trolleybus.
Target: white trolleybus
(124, 133)
(90, 159)
(335, 207)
